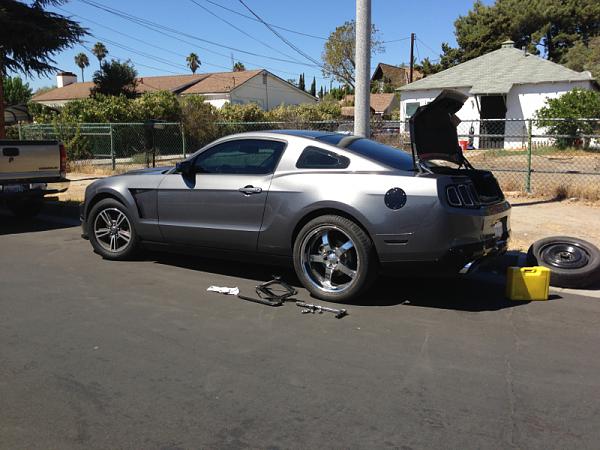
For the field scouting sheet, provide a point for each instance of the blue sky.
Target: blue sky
(158, 54)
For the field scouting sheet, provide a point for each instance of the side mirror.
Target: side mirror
(185, 168)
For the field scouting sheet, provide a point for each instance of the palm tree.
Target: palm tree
(82, 61)
(193, 62)
(100, 51)
(239, 67)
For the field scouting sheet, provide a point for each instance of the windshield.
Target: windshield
(384, 154)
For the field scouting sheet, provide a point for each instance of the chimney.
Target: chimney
(65, 78)
(508, 44)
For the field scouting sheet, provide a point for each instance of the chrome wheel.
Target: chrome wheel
(112, 230)
(329, 259)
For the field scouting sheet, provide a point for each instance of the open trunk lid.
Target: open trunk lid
(433, 129)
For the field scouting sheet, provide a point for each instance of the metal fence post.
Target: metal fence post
(182, 139)
(529, 133)
(112, 148)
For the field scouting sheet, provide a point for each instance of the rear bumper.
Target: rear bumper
(33, 189)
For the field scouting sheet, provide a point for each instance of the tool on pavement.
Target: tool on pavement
(310, 308)
(272, 293)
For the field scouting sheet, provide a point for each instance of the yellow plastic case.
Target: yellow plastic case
(527, 283)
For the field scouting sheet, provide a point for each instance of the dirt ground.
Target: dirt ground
(532, 217)
(535, 218)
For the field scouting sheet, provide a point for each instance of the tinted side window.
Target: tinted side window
(319, 158)
(243, 156)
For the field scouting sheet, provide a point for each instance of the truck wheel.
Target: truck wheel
(573, 263)
(25, 208)
(334, 258)
(111, 230)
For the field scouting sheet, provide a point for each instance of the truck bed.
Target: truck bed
(31, 162)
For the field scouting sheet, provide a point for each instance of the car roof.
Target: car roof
(303, 133)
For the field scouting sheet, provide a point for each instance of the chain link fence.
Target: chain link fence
(548, 157)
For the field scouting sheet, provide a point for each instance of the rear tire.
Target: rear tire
(111, 231)
(334, 258)
(573, 263)
(25, 208)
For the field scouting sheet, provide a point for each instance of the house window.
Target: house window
(410, 108)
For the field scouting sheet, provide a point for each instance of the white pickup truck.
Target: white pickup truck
(30, 170)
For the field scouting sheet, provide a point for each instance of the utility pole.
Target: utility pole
(412, 60)
(362, 114)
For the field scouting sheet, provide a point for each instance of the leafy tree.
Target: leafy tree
(585, 57)
(115, 78)
(82, 62)
(313, 87)
(193, 62)
(338, 54)
(552, 25)
(15, 91)
(100, 51)
(199, 121)
(30, 37)
(573, 105)
(239, 67)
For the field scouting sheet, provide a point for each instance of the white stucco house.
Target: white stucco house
(507, 83)
(248, 86)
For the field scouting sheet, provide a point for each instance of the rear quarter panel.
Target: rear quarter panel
(295, 194)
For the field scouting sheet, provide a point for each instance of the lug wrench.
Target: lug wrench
(310, 308)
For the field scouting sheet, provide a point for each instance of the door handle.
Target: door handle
(247, 190)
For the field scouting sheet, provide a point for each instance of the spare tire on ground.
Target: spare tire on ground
(573, 262)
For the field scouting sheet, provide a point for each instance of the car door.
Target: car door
(221, 204)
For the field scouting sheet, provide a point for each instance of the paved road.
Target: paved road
(98, 354)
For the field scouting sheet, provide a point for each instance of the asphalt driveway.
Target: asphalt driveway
(98, 354)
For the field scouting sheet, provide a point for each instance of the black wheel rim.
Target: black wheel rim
(563, 255)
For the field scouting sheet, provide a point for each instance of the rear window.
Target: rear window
(318, 158)
(384, 154)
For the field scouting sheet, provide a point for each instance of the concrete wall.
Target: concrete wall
(271, 95)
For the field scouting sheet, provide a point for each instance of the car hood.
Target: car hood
(149, 171)
(433, 128)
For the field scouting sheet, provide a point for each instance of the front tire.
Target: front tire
(334, 258)
(111, 230)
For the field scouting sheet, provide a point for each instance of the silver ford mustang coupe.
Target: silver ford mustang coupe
(340, 207)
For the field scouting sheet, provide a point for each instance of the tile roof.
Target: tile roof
(496, 72)
(381, 102)
(398, 76)
(180, 84)
(378, 102)
(221, 82)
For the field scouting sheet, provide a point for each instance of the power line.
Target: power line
(396, 40)
(148, 24)
(256, 20)
(181, 40)
(427, 46)
(289, 44)
(242, 31)
(250, 63)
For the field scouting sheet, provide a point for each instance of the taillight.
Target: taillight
(462, 195)
(63, 161)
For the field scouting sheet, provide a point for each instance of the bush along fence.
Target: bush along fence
(549, 156)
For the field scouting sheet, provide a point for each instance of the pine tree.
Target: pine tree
(301, 84)
(313, 87)
(321, 92)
